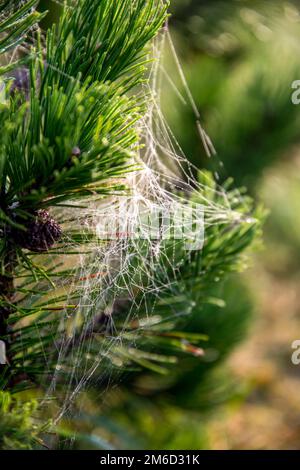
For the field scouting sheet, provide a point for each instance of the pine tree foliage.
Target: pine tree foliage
(18, 428)
(68, 139)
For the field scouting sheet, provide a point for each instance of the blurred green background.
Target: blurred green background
(240, 58)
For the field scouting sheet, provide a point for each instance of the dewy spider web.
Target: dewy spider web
(123, 261)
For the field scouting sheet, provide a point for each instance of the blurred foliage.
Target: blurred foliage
(18, 428)
(166, 364)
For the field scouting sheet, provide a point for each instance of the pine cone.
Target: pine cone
(21, 81)
(42, 233)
